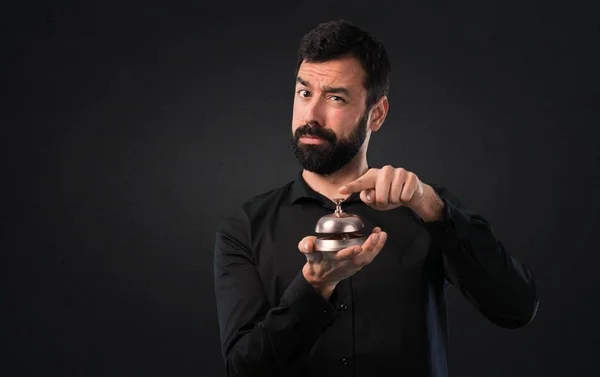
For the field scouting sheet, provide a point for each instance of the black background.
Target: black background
(129, 130)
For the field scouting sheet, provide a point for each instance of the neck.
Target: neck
(328, 184)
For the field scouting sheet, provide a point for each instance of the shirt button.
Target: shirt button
(344, 360)
(343, 307)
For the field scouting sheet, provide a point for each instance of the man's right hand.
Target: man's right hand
(325, 273)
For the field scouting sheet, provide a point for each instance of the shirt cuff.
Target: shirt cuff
(451, 228)
(310, 306)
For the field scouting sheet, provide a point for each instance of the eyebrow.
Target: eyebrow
(326, 89)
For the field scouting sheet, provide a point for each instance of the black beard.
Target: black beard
(333, 154)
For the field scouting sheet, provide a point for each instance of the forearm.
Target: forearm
(500, 286)
(476, 261)
(285, 335)
(260, 337)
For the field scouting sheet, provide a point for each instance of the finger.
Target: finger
(306, 245)
(314, 257)
(397, 186)
(347, 253)
(382, 185)
(367, 196)
(367, 255)
(366, 181)
(371, 248)
(380, 243)
(352, 251)
(409, 188)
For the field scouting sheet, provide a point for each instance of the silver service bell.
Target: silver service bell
(338, 230)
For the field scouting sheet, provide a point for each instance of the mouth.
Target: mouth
(311, 140)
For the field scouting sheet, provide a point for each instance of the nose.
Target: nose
(314, 112)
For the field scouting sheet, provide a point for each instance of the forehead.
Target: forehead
(346, 72)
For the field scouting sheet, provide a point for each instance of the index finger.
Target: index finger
(364, 182)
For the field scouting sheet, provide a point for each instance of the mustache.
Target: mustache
(308, 130)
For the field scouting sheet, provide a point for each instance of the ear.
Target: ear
(378, 113)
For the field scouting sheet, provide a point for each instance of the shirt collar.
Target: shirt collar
(300, 190)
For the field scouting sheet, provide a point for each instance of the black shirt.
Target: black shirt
(387, 319)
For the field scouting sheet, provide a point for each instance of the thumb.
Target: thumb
(367, 196)
(306, 245)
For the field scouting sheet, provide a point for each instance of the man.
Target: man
(373, 310)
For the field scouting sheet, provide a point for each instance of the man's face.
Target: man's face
(329, 123)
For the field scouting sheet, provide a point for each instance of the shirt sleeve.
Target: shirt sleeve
(476, 262)
(257, 339)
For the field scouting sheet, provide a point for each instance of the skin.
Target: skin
(331, 94)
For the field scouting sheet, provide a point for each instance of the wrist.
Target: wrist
(324, 288)
(432, 208)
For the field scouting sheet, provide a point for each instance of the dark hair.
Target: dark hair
(336, 39)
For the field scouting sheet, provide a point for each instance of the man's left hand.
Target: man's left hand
(388, 188)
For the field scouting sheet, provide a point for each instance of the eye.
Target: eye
(303, 93)
(337, 99)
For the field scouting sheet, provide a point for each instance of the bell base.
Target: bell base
(337, 242)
